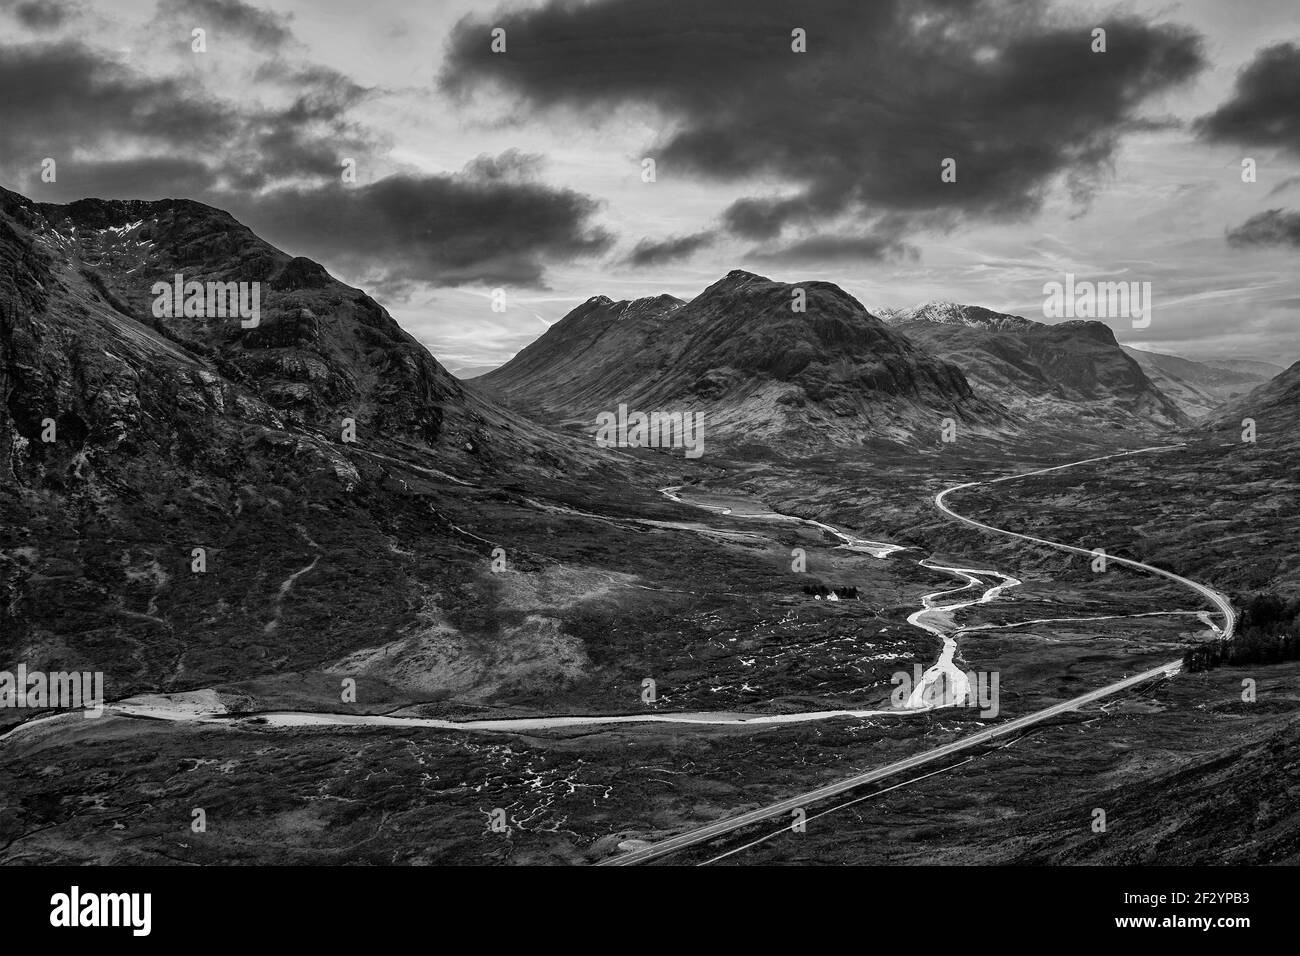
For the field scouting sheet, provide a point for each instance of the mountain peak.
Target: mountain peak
(819, 296)
(734, 280)
(944, 312)
(740, 353)
(661, 299)
(663, 302)
(1093, 327)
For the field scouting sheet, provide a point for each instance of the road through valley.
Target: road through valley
(804, 801)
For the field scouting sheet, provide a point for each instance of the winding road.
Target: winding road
(804, 800)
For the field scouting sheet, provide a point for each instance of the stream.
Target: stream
(205, 706)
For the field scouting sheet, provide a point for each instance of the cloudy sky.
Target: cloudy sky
(522, 170)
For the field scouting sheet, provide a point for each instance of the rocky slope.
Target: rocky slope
(1049, 376)
(1274, 406)
(757, 369)
(321, 353)
(127, 441)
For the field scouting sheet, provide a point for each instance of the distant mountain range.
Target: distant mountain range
(467, 370)
(1200, 387)
(1072, 372)
(839, 373)
(1265, 370)
(1196, 388)
(953, 313)
(1274, 406)
(758, 367)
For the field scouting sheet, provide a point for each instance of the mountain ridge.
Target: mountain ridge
(740, 351)
(1067, 372)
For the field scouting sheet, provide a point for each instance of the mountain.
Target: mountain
(1197, 387)
(757, 369)
(593, 352)
(1068, 374)
(465, 372)
(1264, 370)
(165, 482)
(952, 313)
(1274, 406)
(321, 352)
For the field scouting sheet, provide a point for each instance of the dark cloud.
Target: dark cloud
(757, 218)
(511, 166)
(860, 122)
(278, 168)
(651, 252)
(1264, 109)
(1275, 227)
(259, 28)
(41, 15)
(443, 229)
(78, 101)
(74, 97)
(311, 135)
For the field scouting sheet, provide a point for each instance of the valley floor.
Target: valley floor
(705, 601)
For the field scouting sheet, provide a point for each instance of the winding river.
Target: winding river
(205, 706)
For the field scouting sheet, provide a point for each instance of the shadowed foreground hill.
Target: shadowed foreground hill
(127, 441)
